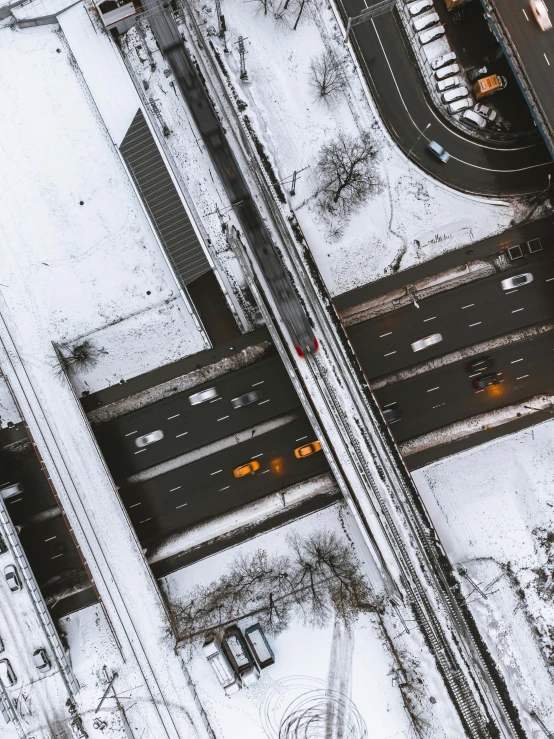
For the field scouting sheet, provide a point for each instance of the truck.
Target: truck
(226, 676)
(258, 644)
(489, 85)
(239, 656)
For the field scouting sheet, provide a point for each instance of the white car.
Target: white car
(425, 37)
(12, 578)
(150, 438)
(440, 74)
(474, 119)
(451, 95)
(201, 397)
(40, 658)
(487, 113)
(540, 11)
(419, 6)
(417, 346)
(7, 675)
(425, 21)
(449, 83)
(458, 105)
(443, 60)
(510, 283)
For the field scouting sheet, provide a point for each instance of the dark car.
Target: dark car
(478, 365)
(391, 414)
(252, 397)
(482, 382)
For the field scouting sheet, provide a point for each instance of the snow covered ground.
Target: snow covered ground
(78, 267)
(8, 410)
(412, 218)
(355, 663)
(494, 512)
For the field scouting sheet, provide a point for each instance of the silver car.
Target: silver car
(12, 578)
(517, 281)
(7, 675)
(442, 60)
(201, 397)
(420, 344)
(150, 438)
(252, 397)
(40, 658)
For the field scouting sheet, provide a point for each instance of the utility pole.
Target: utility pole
(242, 54)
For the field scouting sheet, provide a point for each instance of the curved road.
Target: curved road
(398, 90)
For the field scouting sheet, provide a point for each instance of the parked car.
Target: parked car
(419, 6)
(458, 105)
(517, 281)
(425, 21)
(40, 658)
(444, 72)
(239, 656)
(7, 675)
(540, 11)
(431, 34)
(479, 365)
(443, 60)
(427, 341)
(305, 451)
(11, 490)
(247, 469)
(474, 119)
(480, 383)
(451, 95)
(438, 151)
(219, 663)
(150, 438)
(251, 397)
(474, 72)
(449, 83)
(12, 578)
(201, 397)
(391, 413)
(488, 113)
(259, 646)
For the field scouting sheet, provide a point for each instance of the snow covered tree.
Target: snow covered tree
(347, 173)
(326, 75)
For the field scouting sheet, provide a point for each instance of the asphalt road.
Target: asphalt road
(471, 313)
(187, 427)
(535, 48)
(178, 499)
(406, 110)
(446, 395)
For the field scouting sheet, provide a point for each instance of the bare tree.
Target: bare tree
(346, 172)
(277, 8)
(80, 357)
(326, 75)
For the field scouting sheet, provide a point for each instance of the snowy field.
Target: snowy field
(355, 664)
(67, 267)
(494, 512)
(412, 218)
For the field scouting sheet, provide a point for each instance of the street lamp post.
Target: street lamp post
(420, 135)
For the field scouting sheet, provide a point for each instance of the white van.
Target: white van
(458, 105)
(221, 667)
(441, 74)
(425, 37)
(451, 95)
(448, 83)
(425, 21)
(420, 6)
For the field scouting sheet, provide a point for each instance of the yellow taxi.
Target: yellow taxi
(246, 469)
(307, 449)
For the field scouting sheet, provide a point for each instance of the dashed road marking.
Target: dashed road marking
(511, 291)
(140, 450)
(57, 555)
(225, 488)
(185, 433)
(546, 58)
(515, 361)
(475, 324)
(50, 539)
(439, 405)
(135, 504)
(222, 418)
(525, 14)
(390, 354)
(302, 438)
(549, 279)
(429, 319)
(517, 310)
(146, 519)
(468, 306)
(175, 416)
(433, 388)
(261, 382)
(387, 334)
(216, 472)
(258, 455)
(264, 401)
(174, 489)
(134, 432)
(522, 377)
(180, 506)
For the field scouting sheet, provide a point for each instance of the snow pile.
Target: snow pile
(493, 509)
(411, 219)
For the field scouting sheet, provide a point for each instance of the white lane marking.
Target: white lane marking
(525, 14)
(134, 432)
(135, 504)
(480, 391)
(185, 433)
(146, 519)
(439, 405)
(261, 382)
(216, 472)
(174, 489)
(389, 354)
(499, 373)
(386, 406)
(180, 506)
(468, 306)
(522, 377)
(175, 416)
(140, 450)
(50, 539)
(57, 555)
(258, 455)
(549, 279)
(511, 291)
(215, 400)
(264, 401)
(516, 360)
(429, 319)
(302, 438)
(222, 418)
(475, 324)
(225, 488)
(517, 310)
(546, 58)
(387, 334)
(263, 473)
(433, 388)
(476, 374)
